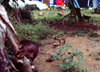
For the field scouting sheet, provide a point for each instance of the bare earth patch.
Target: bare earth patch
(90, 46)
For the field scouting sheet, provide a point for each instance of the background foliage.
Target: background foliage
(34, 33)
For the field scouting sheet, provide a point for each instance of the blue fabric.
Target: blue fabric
(81, 3)
(52, 2)
(47, 2)
(76, 4)
(39, 0)
(71, 1)
(65, 1)
(96, 4)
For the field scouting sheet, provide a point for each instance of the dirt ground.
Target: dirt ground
(79, 42)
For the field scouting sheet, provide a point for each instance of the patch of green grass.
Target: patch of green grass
(80, 33)
(34, 33)
(48, 42)
(97, 40)
(87, 50)
(94, 17)
(42, 43)
(90, 54)
(60, 33)
(93, 34)
(96, 56)
(52, 16)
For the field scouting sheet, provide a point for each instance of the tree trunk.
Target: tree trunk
(78, 12)
(18, 16)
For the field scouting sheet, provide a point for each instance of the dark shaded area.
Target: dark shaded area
(74, 27)
(5, 3)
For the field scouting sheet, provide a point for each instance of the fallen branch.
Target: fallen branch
(61, 19)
